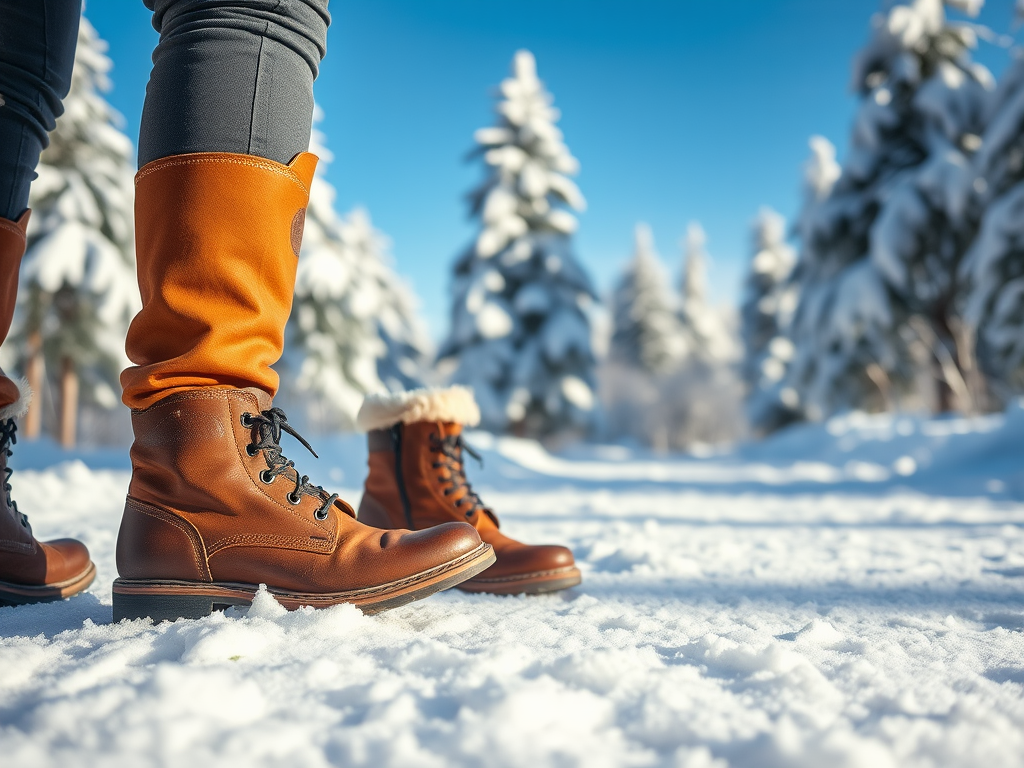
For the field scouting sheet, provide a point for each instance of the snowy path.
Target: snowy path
(768, 622)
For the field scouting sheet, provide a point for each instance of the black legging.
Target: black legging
(228, 76)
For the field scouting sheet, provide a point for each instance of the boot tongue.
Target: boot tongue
(484, 518)
(449, 429)
(264, 402)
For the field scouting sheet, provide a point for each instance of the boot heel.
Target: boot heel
(161, 607)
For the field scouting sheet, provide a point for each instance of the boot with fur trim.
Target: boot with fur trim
(214, 508)
(30, 571)
(417, 480)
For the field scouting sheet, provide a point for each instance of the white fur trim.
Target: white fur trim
(19, 407)
(451, 404)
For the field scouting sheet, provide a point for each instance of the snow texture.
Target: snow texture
(521, 317)
(844, 594)
(78, 289)
(353, 328)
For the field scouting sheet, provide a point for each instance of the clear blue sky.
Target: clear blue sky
(677, 110)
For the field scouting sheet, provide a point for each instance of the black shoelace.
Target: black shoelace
(8, 437)
(451, 449)
(269, 426)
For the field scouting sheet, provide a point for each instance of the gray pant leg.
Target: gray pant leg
(37, 53)
(233, 76)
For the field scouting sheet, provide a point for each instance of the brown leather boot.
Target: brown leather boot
(30, 571)
(417, 480)
(214, 509)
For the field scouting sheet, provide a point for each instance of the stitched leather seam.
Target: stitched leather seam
(17, 546)
(11, 227)
(223, 160)
(200, 393)
(256, 539)
(169, 517)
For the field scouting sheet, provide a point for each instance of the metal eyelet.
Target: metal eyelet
(266, 478)
(293, 499)
(251, 450)
(246, 420)
(320, 514)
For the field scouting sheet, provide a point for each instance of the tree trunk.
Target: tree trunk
(68, 402)
(36, 373)
(944, 401)
(880, 378)
(952, 388)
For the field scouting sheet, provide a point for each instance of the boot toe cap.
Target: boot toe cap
(65, 559)
(532, 559)
(445, 542)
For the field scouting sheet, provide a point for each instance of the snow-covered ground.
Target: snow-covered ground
(842, 595)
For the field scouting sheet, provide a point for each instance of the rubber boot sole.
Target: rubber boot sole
(536, 583)
(22, 594)
(169, 600)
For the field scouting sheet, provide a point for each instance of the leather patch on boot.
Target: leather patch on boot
(298, 223)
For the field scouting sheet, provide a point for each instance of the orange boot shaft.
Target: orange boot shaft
(218, 239)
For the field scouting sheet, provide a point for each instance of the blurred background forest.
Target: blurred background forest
(895, 282)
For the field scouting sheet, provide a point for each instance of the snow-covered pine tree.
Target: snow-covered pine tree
(994, 301)
(927, 219)
(696, 400)
(993, 270)
(767, 308)
(706, 336)
(78, 290)
(921, 97)
(521, 332)
(647, 333)
(353, 328)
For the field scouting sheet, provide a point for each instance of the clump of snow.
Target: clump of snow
(791, 602)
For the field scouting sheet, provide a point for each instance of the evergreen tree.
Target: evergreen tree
(993, 270)
(768, 304)
(927, 218)
(994, 303)
(353, 328)
(521, 331)
(647, 333)
(867, 245)
(704, 331)
(78, 287)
